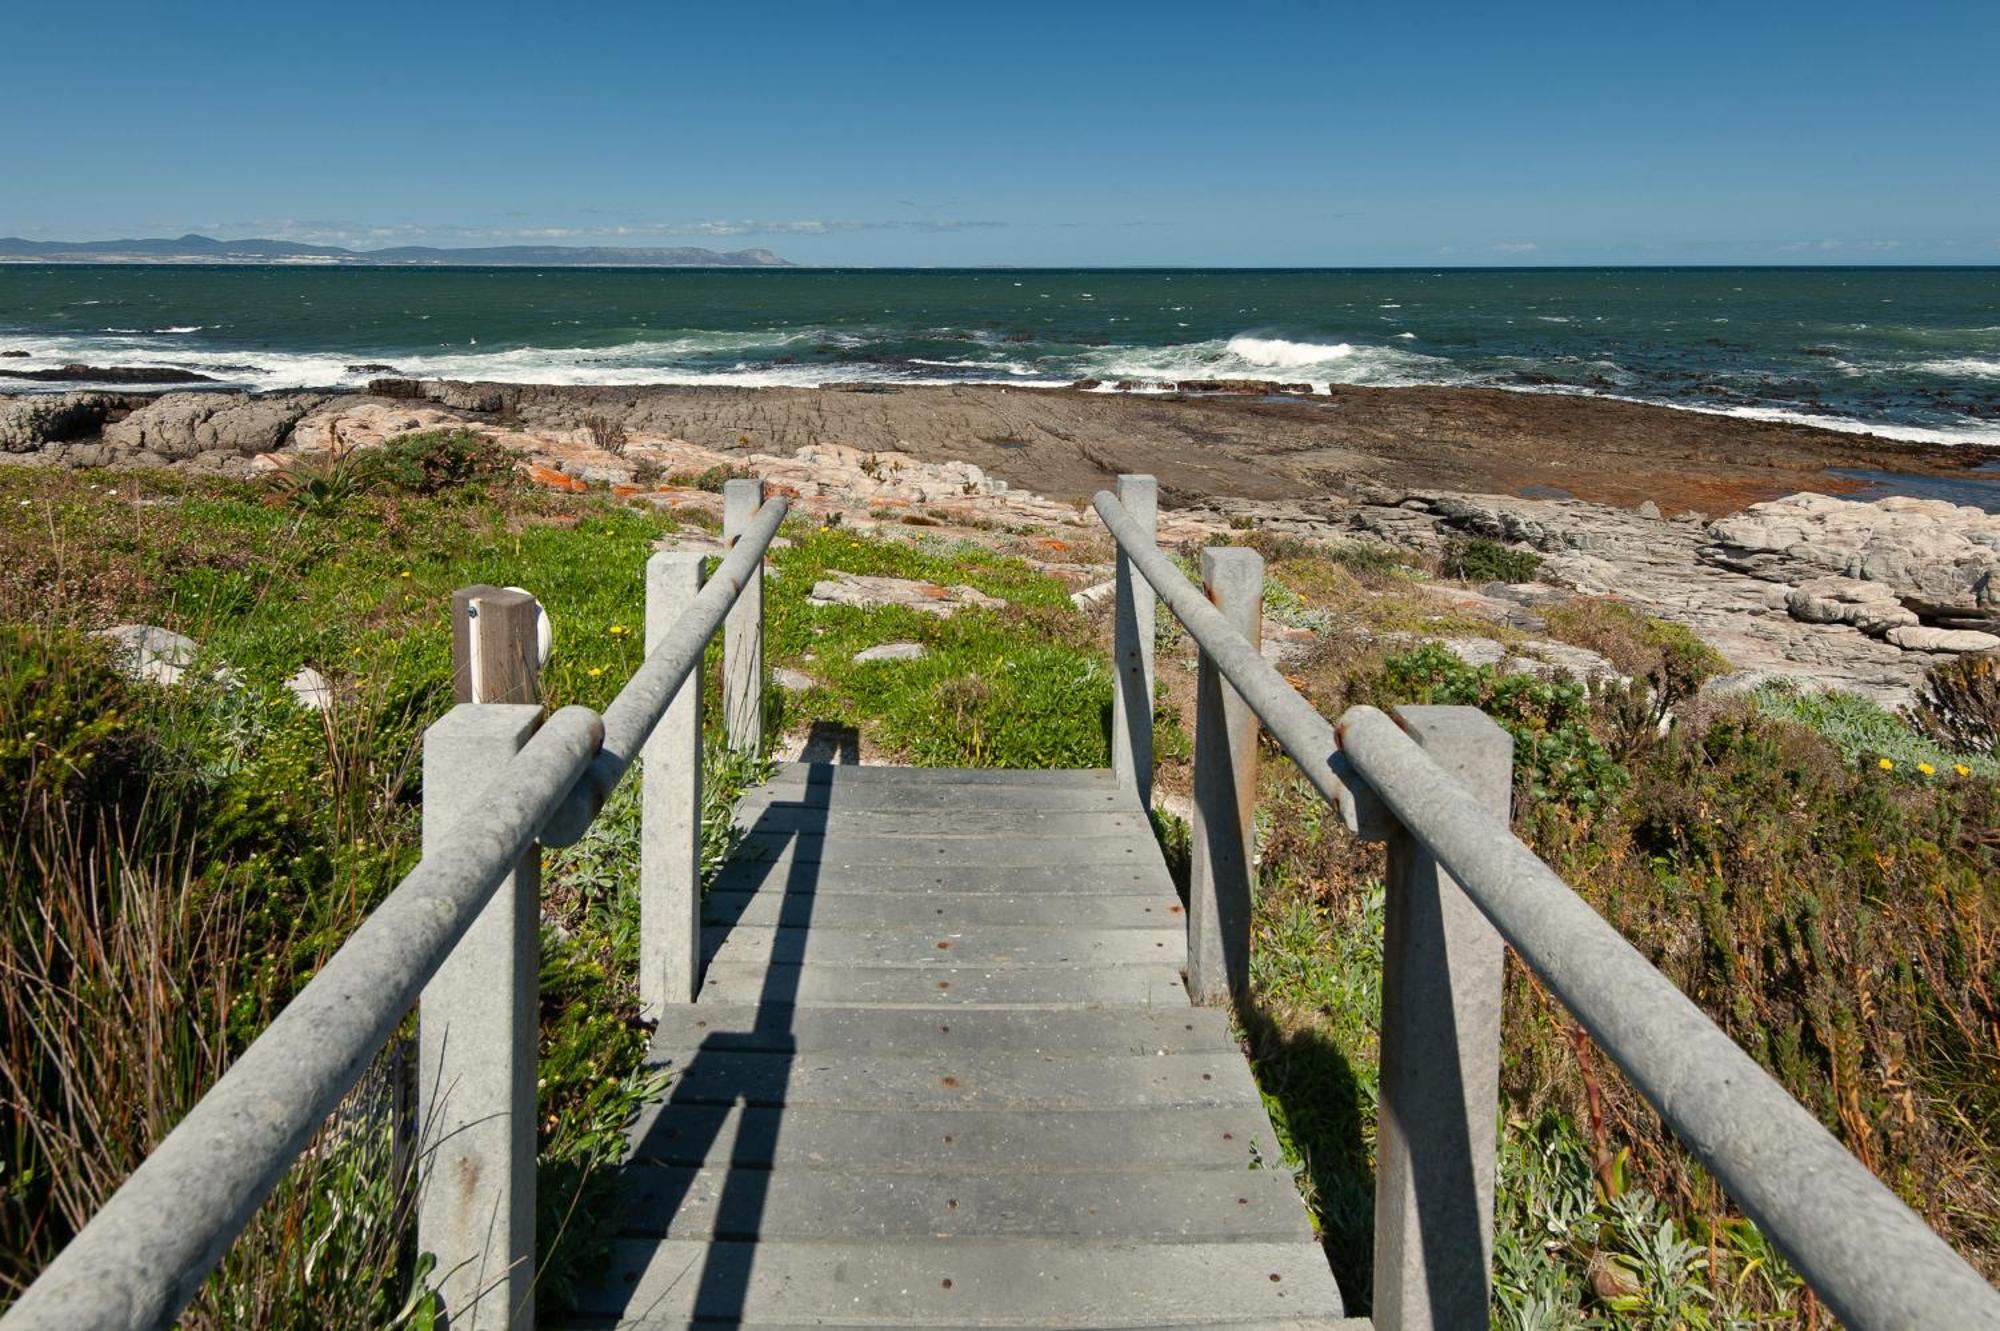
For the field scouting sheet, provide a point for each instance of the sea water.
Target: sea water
(1910, 353)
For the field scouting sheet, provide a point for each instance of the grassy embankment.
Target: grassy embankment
(185, 857)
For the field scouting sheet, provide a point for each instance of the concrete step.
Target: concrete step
(824, 909)
(865, 1031)
(926, 823)
(960, 1079)
(929, 946)
(906, 986)
(966, 1282)
(835, 1205)
(1102, 842)
(1233, 1139)
(819, 776)
(792, 876)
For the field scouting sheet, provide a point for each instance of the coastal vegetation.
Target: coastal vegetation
(1815, 872)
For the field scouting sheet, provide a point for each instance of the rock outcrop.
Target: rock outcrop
(1767, 627)
(1941, 561)
(218, 429)
(1871, 607)
(28, 424)
(924, 597)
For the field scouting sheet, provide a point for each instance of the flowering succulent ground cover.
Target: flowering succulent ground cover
(1819, 875)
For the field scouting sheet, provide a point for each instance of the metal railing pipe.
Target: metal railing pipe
(1871, 1258)
(1300, 730)
(643, 701)
(147, 1250)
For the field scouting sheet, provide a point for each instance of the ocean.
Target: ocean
(1910, 353)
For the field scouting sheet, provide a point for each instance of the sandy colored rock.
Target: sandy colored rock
(892, 651)
(1871, 607)
(310, 689)
(149, 652)
(925, 597)
(1940, 560)
(1922, 638)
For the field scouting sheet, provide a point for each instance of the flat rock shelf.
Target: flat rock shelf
(943, 1072)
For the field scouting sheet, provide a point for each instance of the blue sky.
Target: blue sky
(1309, 132)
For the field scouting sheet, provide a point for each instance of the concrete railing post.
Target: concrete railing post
(670, 809)
(1440, 1059)
(1132, 651)
(743, 631)
(477, 1018)
(476, 1030)
(1221, 847)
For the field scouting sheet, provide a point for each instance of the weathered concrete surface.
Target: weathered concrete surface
(1222, 841)
(971, 1101)
(476, 1042)
(670, 809)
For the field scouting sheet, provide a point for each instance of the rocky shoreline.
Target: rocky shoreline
(1799, 584)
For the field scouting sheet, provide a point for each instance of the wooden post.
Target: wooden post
(1132, 652)
(476, 1033)
(1225, 792)
(495, 650)
(743, 631)
(1440, 1059)
(670, 809)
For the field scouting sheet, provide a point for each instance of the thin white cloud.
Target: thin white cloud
(372, 235)
(1841, 246)
(1515, 247)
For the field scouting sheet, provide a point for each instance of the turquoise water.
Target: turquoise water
(1913, 352)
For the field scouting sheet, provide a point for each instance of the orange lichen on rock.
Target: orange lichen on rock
(554, 480)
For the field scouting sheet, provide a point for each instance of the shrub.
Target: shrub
(1960, 703)
(714, 477)
(1864, 732)
(1666, 664)
(429, 462)
(326, 485)
(1476, 559)
(65, 737)
(1557, 756)
(607, 433)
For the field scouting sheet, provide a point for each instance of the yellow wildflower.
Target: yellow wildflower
(595, 671)
(617, 630)
(1885, 764)
(1927, 769)
(404, 574)
(1961, 769)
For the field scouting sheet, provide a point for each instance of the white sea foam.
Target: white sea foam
(1278, 354)
(1974, 367)
(1970, 432)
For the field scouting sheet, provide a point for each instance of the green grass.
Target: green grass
(1024, 686)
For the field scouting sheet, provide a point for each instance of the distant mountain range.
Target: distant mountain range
(205, 249)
